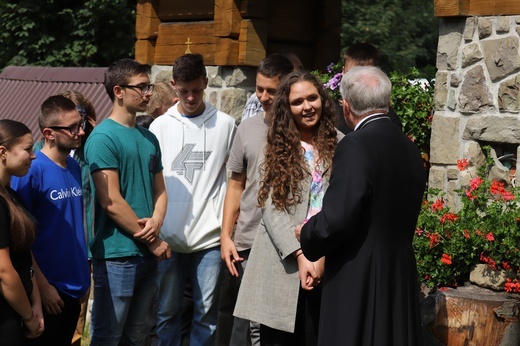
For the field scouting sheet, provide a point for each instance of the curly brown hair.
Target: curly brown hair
(284, 165)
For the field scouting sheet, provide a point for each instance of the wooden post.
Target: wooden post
(226, 53)
(146, 20)
(227, 18)
(145, 51)
(252, 42)
(146, 26)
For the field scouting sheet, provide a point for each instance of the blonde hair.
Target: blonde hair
(163, 95)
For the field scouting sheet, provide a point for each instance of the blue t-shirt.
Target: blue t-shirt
(134, 152)
(53, 194)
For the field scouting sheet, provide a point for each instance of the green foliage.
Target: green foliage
(448, 244)
(66, 33)
(405, 31)
(412, 101)
(331, 79)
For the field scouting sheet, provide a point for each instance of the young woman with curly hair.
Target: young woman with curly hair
(20, 304)
(294, 175)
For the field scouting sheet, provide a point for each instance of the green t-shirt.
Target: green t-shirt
(134, 152)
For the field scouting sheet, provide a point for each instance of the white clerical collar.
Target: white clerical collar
(369, 119)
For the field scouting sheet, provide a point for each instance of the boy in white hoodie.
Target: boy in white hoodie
(195, 139)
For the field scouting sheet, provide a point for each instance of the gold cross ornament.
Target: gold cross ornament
(188, 51)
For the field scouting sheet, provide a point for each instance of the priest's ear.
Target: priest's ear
(346, 107)
(347, 115)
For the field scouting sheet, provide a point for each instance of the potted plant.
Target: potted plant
(449, 243)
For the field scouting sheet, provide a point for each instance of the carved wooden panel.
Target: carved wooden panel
(176, 39)
(237, 32)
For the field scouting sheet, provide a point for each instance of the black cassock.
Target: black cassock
(365, 230)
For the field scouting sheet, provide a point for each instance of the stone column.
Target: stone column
(477, 97)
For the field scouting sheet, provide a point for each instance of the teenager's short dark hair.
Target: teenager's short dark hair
(120, 71)
(188, 67)
(275, 65)
(363, 53)
(52, 109)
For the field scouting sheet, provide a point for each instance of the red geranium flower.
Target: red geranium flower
(434, 239)
(462, 164)
(446, 259)
(475, 183)
(438, 205)
(448, 217)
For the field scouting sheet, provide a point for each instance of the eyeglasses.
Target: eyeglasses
(73, 129)
(144, 89)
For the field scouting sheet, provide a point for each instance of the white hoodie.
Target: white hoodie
(194, 155)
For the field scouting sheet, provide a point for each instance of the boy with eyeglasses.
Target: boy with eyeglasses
(52, 192)
(125, 163)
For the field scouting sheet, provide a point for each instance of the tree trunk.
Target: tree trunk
(471, 315)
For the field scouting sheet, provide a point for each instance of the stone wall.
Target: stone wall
(228, 87)
(477, 99)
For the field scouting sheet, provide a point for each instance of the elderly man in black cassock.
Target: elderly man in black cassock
(366, 226)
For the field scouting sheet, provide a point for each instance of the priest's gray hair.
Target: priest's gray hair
(366, 88)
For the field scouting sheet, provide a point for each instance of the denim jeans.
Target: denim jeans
(124, 290)
(202, 268)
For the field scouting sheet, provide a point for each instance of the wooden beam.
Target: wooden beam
(449, 8)
(494, 8)
(327, 46)
(293, 21)
(306, 54)
(227, 18)
(145, 51)
(467, 8)
(176, 39)
(226, 52)
(254, 9)
(175, 10)
(146, 20)
(252, 42)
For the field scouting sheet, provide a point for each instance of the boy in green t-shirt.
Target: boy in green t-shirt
(125, 163)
